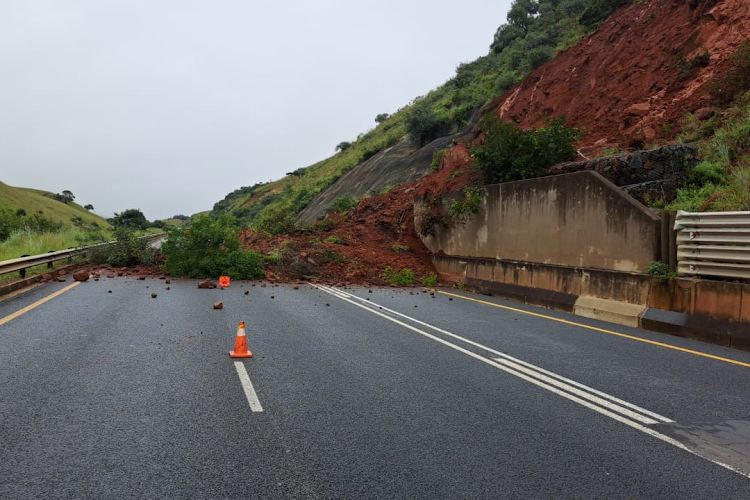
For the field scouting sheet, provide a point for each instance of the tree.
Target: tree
(381, 117)
(132, 218)
(65, 197)
(20, 212)
(343, 146)
(89, 206)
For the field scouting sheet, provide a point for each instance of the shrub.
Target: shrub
(424, 123)
(437, 158)
(398, 247)
(510, 153)
(343, 146)
(430, 280)
(343, 203)
(334, 239)
(210, 248)
(461, 209)
(128, 250)
(401, 278)
(275, 222)
(661, 271)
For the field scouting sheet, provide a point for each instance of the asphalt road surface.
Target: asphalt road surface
(355, 394)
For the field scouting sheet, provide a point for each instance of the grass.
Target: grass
(34, 201)
(721, 181)
(30, 243)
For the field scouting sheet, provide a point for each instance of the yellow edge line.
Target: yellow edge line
(37, 303)
(602, 330)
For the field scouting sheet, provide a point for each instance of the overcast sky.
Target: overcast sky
(167, 106)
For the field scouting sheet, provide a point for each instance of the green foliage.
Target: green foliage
(128, 250)
(65, 197)
(343, 145)
(598, 10)
(424, 123)
(276, 222)
(721, 181)
(660, 270)
(430, 280)
(343, 203)
(461, 209)
(381, 117)
(437, 158)
(403, 277)
(132, 218)
(334, 239)
(20, 212)
(210, 248)
(397, 247)
(510, 153)
(323, 225)
(89, 206)
(11, 221)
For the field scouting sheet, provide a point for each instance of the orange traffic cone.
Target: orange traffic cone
(240, 344)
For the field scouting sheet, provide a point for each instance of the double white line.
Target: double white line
(614, 408)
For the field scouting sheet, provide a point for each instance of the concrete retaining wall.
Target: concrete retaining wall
(577, 220)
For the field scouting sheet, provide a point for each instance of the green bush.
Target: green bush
(510, 153)
(437, 157)
(210, 248)
(661, 271)
(598, 10)
(461, 209)
(343, 203)
(275, 222)
(128, 250)
(425, 123)
(430, 280)
(401, 278)
(334, 239)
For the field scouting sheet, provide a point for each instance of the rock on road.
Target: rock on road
(360, 394)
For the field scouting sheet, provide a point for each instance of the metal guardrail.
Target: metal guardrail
(713, 244)
(23, 263)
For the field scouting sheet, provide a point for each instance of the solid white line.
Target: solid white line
(596, 396)
(535, 381)
(252, 398)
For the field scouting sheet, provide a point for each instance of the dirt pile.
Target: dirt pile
(631, 83)
(378, 234)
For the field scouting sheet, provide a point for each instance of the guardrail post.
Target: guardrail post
(668, 240)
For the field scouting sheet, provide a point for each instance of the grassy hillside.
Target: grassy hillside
(535, 31)
(42, 203)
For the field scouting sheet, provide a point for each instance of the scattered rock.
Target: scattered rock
(153, 295)
(168, 288)
(640, 109)
(168, 282)
(109, 291)
(120, 273)
(110, 275)
(46, 277)
(207, 284)
(295, 287)
(273, 297)
(704, 114)
(247, 291)
(61, 280)
(62, 272)
(218, 305)
(162, 277)
(328, 305)
(141, 278)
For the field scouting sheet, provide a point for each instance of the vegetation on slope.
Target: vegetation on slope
(534, 32)
(721, 181)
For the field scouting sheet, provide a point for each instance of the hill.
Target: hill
(652, 73)
(44, 204)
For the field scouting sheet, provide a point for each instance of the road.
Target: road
(106, 392)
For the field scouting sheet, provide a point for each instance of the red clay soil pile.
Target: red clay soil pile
(378, 234)
(632, 82)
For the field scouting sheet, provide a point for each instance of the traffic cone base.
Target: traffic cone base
(240, 344)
